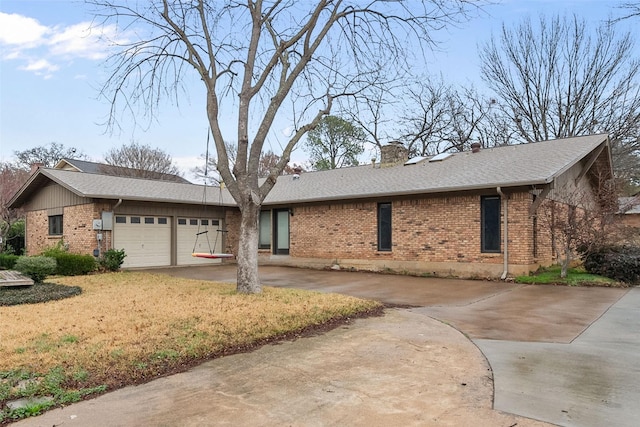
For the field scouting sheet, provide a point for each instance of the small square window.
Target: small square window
(55, 225)
(162, 221)
(182, 221)
(193, 222)
(204, 222)
(148, 220)
(121, 220)
(215, 222)
(135, 220)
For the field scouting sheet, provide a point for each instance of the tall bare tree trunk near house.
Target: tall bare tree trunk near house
(260, 61)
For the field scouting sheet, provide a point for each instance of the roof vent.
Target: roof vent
(475, 147)
(440, 157)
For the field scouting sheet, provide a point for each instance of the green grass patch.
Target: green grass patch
(575, 277)
(47, 390)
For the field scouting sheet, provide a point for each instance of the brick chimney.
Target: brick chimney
(35, 167)
(393, 153)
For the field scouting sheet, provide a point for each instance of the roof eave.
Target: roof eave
(416, 192)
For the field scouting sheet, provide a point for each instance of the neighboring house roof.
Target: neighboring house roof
(629, 205)
(102, 168)
(509, 166)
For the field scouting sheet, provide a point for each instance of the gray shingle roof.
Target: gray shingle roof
(517, 165)
(102, 168)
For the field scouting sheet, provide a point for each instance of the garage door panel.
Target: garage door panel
(209, 241)
(146, 240)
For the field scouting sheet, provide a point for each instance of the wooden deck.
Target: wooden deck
(13, 278)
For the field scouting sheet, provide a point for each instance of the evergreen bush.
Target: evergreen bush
(621, 263)
(36, 267)
(112, 259)
(8, 261)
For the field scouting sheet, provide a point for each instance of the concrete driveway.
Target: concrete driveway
(561, 355)
(564, 355)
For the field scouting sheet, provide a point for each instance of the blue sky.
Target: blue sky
(51, 70)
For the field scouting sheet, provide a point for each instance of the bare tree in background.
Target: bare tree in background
(259, 60)
(630, 9)
(427, 118)
(11, 179)
(46, 155)
(140, 161)
(554, 80)
(441, 117)
(375, 110)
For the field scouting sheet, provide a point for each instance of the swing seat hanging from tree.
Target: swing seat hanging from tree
(211, 254)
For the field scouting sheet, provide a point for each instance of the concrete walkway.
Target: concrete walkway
(558, 354)
(402, 369)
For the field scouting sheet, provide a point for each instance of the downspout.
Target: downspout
(114, 213)
(505, 243)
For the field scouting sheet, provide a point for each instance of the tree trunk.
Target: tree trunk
(247, 257)
(564, 264)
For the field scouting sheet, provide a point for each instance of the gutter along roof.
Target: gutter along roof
(509, 166)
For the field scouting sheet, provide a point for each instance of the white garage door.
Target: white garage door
(188, 229)
(146, 240)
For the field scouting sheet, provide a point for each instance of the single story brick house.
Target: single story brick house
(466, 214)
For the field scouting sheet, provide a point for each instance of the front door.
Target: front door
(281, 232)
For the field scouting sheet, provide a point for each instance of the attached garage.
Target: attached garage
(146, 240)
(210, 239)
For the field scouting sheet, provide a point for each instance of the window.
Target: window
(55, 225)
(162, 220)
(384, 226)
(149, 220)
(121, 220)
(264, 241)
(135, 220)
(193, 222)
(182, 221)
(490, 223)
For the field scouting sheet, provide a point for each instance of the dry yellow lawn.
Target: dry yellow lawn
(130, 326)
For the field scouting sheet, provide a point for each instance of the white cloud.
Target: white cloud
(41, 65)
(44, 49)
(21, 30)
(80, 41)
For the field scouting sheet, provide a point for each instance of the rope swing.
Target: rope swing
(211, 254)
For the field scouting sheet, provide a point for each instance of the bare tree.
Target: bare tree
(374, 110)
(11, 179)
(140, 161)
(47, 155)
(427, 118)
(579, 219)
(630, 9)
(255, 57)
(209, 172)
(554, 80)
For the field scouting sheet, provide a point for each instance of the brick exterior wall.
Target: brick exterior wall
(436, 235)
(77, 228)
